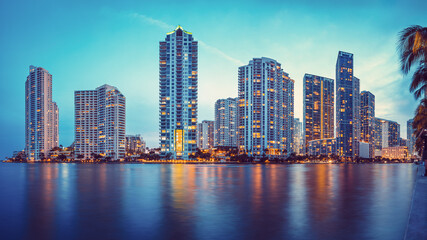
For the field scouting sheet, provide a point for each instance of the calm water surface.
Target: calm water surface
(134, 201)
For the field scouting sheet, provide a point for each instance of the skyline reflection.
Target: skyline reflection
(320, 201)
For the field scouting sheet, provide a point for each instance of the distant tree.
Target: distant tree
(61, 157)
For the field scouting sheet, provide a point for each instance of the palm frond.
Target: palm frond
(412, 46)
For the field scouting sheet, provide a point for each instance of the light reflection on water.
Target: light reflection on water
(119, 201)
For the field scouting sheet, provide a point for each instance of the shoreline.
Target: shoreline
(206, 162)
(417, 220)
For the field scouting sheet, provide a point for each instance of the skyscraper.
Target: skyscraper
(265, 108)
(41, 115)
(298, 137)
(356, 116)
(346, 106)
(387, 133)
(226, 122)
(100, 122)
(411, 137)
(318, 108)
(178, 94)
(367, 118)
(205, 134)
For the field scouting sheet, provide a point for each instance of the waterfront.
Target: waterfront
(154, 201)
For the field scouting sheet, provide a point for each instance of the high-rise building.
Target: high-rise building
(411, 137)
(265, 108)
(325, 146)
(318, 108)
(178, 94)
(205, 134)
(367, 120)
(346, 107)
(298, 137)
(100, 121)
(356, 116)
(387, 134)
(135, 144)
(41, 115)
(226, 122)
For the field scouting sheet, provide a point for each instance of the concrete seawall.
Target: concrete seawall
(417, 223)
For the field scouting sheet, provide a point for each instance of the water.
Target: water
(135, 201)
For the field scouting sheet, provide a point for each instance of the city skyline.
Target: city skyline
(115, 69)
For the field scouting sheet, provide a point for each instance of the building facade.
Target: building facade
(205, 134)
(397, 152)
(367, 120)
(100, 121)
(346, 107)
(411, 137)
(298, 138)
(326, 146)
(265, 108)
(135, 144)
(226, 122)
(387, 133)
(41, 115)
(318, 120)
(178, 94)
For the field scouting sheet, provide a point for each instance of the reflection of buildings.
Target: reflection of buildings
(318, 108)
(205, 134)
(42, 199)
(41, 114)
(178, 94)
(265, 108)
(226, 122)
(100, 121)
(326, 146)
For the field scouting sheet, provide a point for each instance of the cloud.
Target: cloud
(220, 53)
(168, 27)
(152, 21)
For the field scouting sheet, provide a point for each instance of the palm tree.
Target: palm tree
(413, 53)
(420, 126)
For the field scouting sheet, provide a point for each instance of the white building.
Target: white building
(265, 108)
(205, 134)
(364, 150)
(178, 94)
(41, 115)
(297, 146)
(100, 121)
(226, 122)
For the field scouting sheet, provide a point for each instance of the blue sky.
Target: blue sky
(84, 45)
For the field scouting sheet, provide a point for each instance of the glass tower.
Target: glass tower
(367, 120)
(178, 94)
(318, 108)
(346, 107)
(410, 136)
